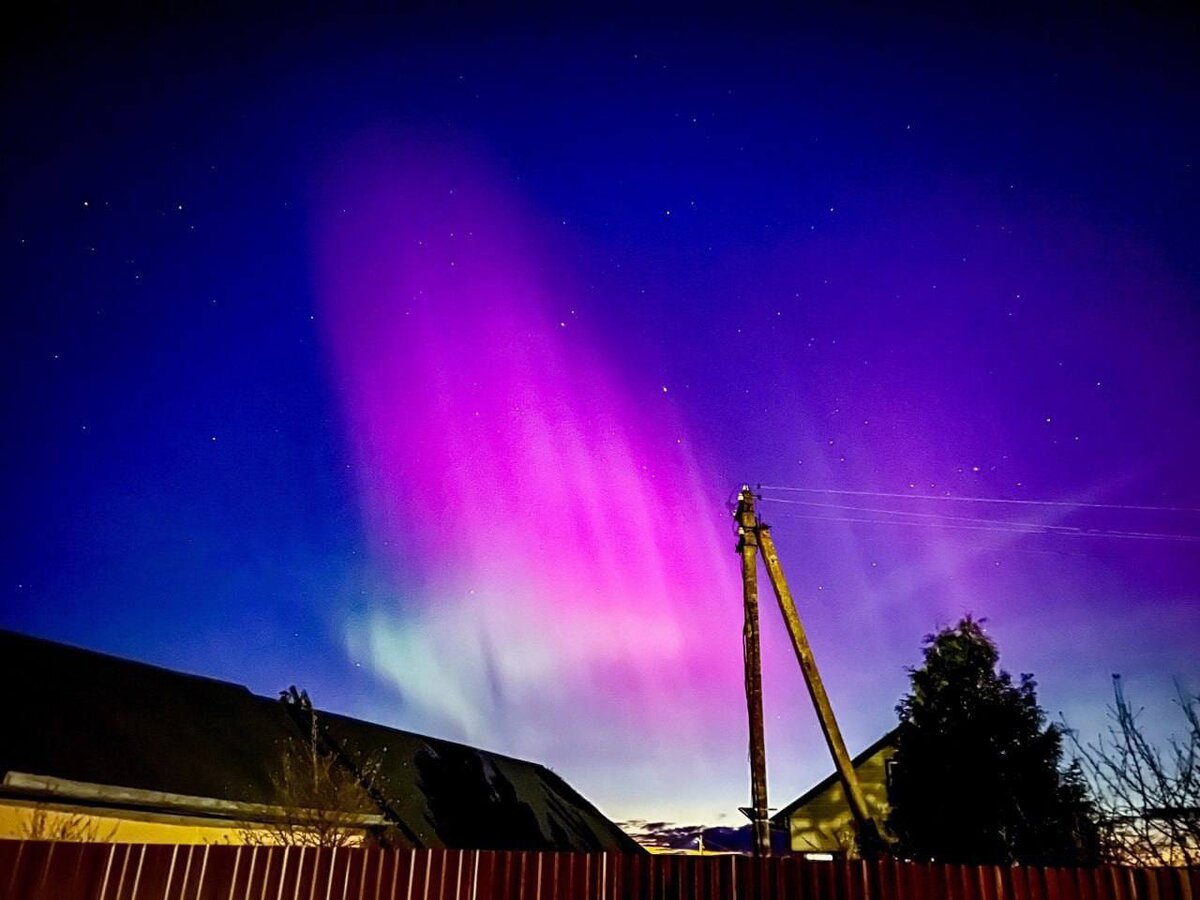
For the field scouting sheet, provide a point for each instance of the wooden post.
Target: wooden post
(869, 839)
(748, 548)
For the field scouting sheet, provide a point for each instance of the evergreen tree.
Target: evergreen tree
(977, 777)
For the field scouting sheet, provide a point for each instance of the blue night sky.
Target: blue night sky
(413, 359)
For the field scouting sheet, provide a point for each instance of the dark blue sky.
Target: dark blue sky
(863, 249)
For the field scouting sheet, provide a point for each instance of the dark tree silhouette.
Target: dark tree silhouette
(978, 775)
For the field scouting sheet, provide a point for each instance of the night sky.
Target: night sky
(414, 359)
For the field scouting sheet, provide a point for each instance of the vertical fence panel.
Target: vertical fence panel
(502, 876)
(792, 886)
(932, 882)
(358, 861)
(1147, 885)
(27, 869)
(10, 860)
(41, 883)
(659, 873)
(832, 886)
(607, 861)
(1077, 884)
(1074, 881)
(525, 886)
(1035, 878)
(183, 882)
(1084, 886)
(295, 884)
(1191, 877)
(594, 871)
(1081, 882)
(150, 876)
(80, 867)
(1116, 883)
(888, 885)
(417, 884)
(266, 871)
(973, 884)
(552, 877)
(444, 873)
(698, 876)
(915, 881)
(760, 881)
(984, 883)
(1131, 885)
(516, 875)
(462, 874)
(484, 884)
(365, 872)
(856, 883)
(1054, 890)
(579, 882)
(632, 868)
(120, 876)
(390, 885)
(245, 867)
(1166, 885)
(969, 883)
(1111, 883)
(85, 873)
(569, 875)
(941, 880)
(59, 880)
(524, 882)
(556, 873)
(538, 886)
(665, 883)
(714, 888)
(909, 877)
(440, 870)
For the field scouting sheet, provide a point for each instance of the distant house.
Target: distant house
(819, 820)
(125, 751)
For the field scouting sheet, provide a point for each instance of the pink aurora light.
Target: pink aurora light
(556, 577)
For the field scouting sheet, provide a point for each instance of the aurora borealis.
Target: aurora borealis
(414, 359)
(557, 531)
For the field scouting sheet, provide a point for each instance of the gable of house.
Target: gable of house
(819, 820)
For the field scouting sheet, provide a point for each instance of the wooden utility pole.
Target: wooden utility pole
(748, 549)
(869, 840)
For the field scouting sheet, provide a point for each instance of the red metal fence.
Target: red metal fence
(39, 870)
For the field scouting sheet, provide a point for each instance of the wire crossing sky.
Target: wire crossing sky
(414, 359)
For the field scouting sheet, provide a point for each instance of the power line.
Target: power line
(1012, 528)
(1024, 527)
(904, 512)
(944, 497)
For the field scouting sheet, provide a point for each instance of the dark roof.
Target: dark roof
(82, 716)
(780, 817)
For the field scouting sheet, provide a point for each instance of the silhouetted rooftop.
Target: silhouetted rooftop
(82, 716)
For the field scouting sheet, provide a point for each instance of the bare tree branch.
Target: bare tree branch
(1150, 801)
